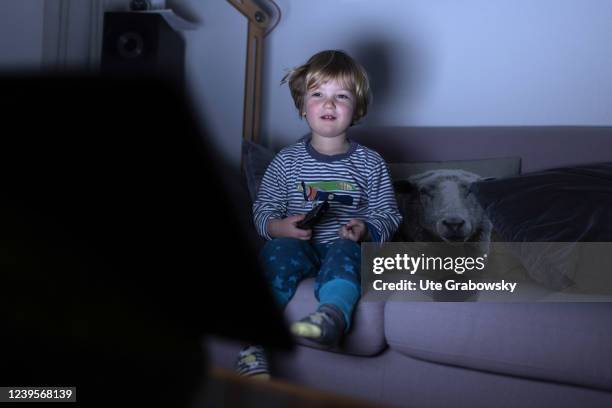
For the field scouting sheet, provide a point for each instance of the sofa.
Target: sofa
(473, 354)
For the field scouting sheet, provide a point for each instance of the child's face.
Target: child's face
(329, 109)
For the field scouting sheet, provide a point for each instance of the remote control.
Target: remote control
(313, 216)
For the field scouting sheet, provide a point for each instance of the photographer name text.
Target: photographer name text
(449, 285)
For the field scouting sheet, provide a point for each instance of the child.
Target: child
(331, 92)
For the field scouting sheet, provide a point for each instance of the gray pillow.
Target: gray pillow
(255, 161)
(487, 168)
(545, 214)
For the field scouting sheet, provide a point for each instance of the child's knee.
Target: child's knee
(347, 247)
(283, 244)
(287, 241)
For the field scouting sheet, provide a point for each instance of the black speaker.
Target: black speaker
(142, 44)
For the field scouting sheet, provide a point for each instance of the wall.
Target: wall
(50, 34)
(448, 62)
(432, 63)
(21, 38)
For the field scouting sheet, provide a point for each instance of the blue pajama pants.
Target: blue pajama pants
(335, 267)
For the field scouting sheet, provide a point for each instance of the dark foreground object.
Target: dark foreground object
(112, 213)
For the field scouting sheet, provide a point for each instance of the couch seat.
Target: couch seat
(563, 342)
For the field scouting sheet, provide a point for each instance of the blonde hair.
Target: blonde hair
(325, 66)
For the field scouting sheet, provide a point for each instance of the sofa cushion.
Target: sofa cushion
(366, 336)
(559, 206)
(255, 161)
(564, 342)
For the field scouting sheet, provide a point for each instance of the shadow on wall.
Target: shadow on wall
(392, 67)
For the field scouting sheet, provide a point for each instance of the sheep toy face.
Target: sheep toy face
(438, 206)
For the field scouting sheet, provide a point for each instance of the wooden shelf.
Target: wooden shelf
(226, 389)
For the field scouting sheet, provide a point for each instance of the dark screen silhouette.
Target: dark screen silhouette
(120, 246)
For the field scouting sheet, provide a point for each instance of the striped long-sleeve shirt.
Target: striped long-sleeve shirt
(356, 184)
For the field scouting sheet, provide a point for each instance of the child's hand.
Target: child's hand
(285, 228)
(355, 230)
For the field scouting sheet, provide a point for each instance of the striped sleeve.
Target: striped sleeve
(383, 215)
(271, 202)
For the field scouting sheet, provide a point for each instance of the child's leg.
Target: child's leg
(337, 289)
(339, 281)
(286, 262)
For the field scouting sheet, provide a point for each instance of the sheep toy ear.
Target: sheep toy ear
(403, 187)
